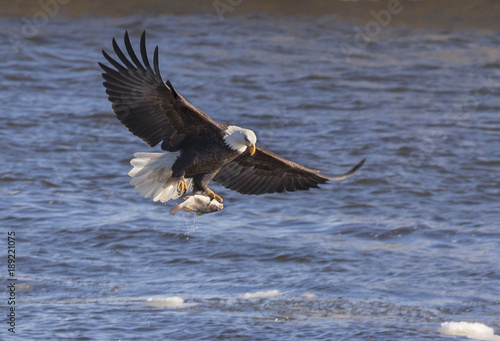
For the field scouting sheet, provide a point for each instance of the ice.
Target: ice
(309, 296)
(165, 302)
(473, 330)
(260, 294)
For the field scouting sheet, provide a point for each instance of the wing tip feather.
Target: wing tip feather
(349, 173)
(156, 63)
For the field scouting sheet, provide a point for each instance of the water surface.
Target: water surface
(409, 242)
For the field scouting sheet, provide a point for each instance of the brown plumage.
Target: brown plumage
(266, 172)
(148, 107)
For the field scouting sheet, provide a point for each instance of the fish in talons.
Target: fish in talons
(199, 204)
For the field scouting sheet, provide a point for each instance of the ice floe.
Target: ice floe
(165, 302)
(260, 294)
(472, 330)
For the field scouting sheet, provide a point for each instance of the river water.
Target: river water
(409, 242)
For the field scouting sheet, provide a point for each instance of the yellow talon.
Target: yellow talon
(182, 187)
(211, 194)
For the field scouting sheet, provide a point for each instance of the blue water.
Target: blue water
(411, 241)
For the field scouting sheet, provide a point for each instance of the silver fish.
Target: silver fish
(200, 204)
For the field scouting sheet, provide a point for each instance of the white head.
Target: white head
(240, 139)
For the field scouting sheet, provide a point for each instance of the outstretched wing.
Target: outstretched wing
(148, 107)
(266, 172)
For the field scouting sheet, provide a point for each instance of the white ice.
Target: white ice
(165, 302)
(260, 294)
(309, 296)
(472, 330)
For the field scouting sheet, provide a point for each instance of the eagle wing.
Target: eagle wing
(150, 108)
(266, 172)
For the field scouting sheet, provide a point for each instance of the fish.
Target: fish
(200, 204)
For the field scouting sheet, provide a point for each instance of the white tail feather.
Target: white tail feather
(152, 176)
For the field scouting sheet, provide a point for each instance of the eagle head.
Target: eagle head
(240, 139)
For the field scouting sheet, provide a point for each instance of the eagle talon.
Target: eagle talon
(211, 194)
(182, 187)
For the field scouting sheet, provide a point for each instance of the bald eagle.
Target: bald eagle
(198, 149)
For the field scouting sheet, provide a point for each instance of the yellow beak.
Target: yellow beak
(251, 148)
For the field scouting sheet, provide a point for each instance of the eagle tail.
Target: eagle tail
(152, 176)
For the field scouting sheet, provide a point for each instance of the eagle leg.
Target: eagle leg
(211, 194)
(181, 186)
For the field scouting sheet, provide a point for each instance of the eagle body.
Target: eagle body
(202, 156)
(196, 148)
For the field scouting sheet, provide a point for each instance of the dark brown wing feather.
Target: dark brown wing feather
(266, 172)
(148, 107)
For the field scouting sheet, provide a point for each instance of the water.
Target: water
(409, 242)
